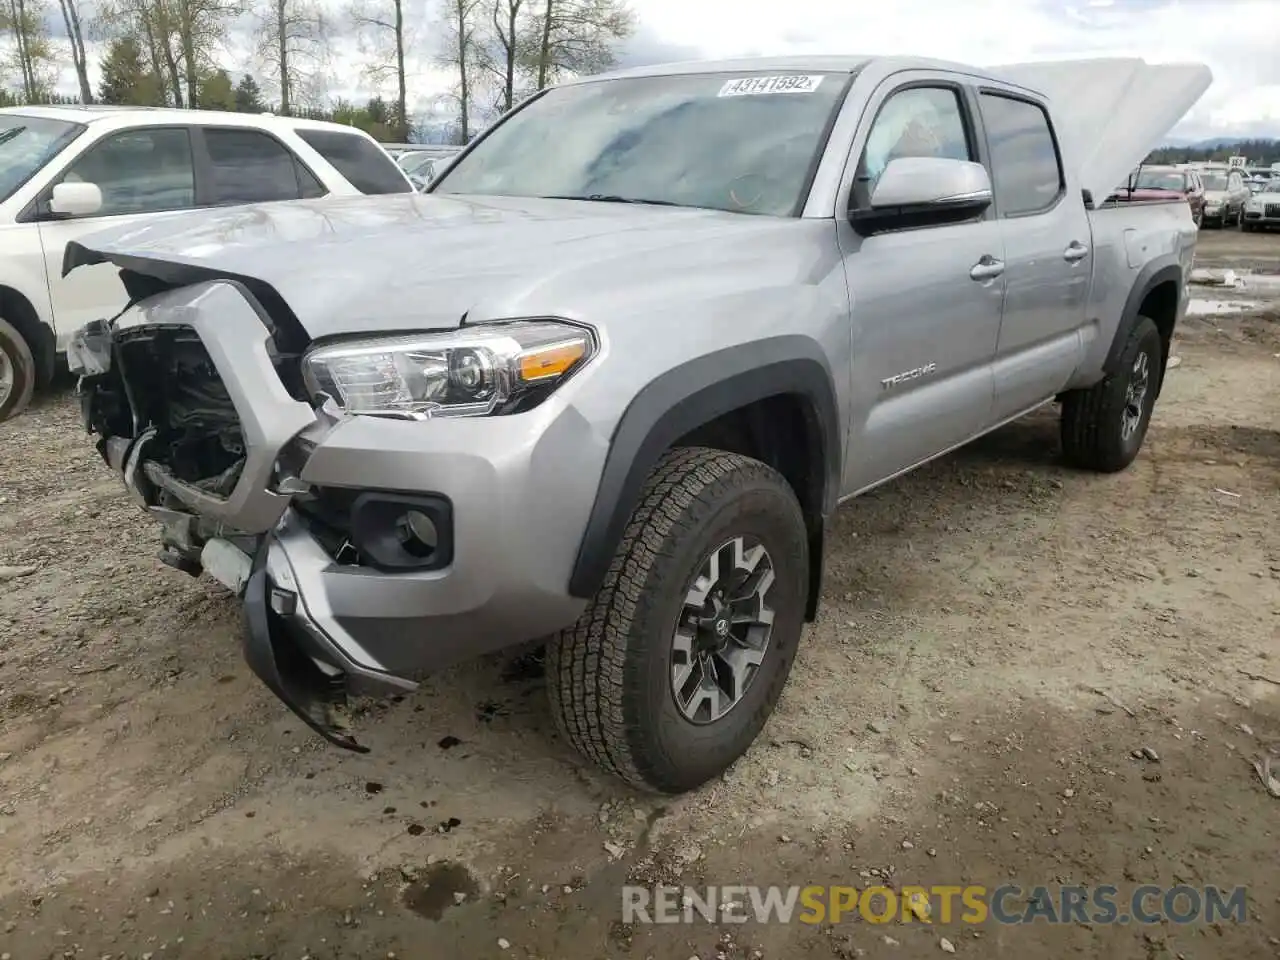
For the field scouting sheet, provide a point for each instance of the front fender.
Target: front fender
(693, 394)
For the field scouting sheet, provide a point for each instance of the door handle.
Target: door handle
(988, 268)
(1075, 251)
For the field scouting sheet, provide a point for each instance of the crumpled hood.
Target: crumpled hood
(413, 261)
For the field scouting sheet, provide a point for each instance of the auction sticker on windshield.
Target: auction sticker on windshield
(749, 86)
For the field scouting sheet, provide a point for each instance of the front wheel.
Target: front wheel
(17, 372)
(674, 667)
(1103, 427)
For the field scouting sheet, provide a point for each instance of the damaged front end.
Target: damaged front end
(196, 406)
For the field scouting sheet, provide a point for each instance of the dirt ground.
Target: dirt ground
(999, 636)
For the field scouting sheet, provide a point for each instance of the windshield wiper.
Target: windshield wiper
(7, 135)
(614, 198)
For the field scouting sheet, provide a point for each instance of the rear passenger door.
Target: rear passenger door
(239, 165)
(1048, 255)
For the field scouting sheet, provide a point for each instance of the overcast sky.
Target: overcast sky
(1238, 39)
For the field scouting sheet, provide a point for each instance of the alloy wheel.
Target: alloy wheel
(1135, 397)
(723, 631)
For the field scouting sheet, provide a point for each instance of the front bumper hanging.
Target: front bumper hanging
(275, 654)
(289, 652)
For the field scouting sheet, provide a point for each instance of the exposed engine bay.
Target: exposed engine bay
(154, 394)
(175, 390)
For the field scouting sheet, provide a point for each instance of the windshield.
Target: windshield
(1214, 181)
(731, 142)
(1161, 180)
(26, 145)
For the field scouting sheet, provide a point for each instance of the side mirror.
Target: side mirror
(924, 191)
(76, 199)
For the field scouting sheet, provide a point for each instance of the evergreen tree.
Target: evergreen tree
(216, 92)
(249, 95)
(126, 78)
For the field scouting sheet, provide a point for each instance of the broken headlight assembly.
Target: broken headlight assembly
(491, 368)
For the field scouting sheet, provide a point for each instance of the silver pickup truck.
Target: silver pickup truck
(603, 385)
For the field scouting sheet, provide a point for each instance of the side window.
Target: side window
(1024, 159)
(250, 167)
(363, 165)
(148, 170)
(916, 122)
(310, 186)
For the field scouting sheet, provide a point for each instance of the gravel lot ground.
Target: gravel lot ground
(999, 635)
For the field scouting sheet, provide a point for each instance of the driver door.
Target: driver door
(925, 301)
(142, 172)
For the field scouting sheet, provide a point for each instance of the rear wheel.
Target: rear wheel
(17, 372)
(1103, 427)
(677, 663)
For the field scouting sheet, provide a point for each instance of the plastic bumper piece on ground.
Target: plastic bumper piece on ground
(293, 658)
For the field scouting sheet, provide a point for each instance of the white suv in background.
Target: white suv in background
(68, 171)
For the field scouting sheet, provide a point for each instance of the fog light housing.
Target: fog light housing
(418, 534)
(392, 531)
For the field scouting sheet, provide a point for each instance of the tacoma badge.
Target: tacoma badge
(913, 374)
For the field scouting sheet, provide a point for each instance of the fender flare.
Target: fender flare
(1165, 269)
(693, 394)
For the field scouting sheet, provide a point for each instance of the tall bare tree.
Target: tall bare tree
(180, 39)
(577, 37)
(511, 42)
(152, 20)
(200, 26)
(71, 17)
(463, 49)
(382, 31)
(148, 24)
(31, 57)
(293, 45)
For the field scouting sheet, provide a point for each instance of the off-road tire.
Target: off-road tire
(1092, 419)
(609, 676)
(17, 353)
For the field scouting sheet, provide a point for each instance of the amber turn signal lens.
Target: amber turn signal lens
(543, 363)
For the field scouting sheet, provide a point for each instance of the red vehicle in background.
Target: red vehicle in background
(1165, 183)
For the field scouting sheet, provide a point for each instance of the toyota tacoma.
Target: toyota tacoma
(604, 383)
